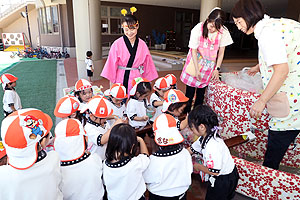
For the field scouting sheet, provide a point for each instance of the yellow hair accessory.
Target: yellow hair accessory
(124, 12)
(132, 10)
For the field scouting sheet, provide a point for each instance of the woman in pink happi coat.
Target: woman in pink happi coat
(129, 57)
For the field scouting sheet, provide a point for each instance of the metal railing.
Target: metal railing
(8, 6)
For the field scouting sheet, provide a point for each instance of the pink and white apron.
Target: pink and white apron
(209, 51)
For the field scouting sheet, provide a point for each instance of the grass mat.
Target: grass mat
(36, 85)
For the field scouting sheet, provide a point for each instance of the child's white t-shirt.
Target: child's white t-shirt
(155, 97)
(136, 108)
(124, 180)
(83, 180)
(118, 111)
(216, 155)
(11, 97)
(169, 175)
(41, 181)
(93, 131)
(89, 64)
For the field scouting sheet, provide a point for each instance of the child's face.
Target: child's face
(86, 95)
(13, 84)
(199, 131)
(142, 97)
(117, 101)
(98, 120)
(179, 111)
(130, 33)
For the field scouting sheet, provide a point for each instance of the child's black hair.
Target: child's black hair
(122, 143)
(129, 19)
(218, 17)
(203, 114)
(175, 106)
(89, 54)
(76, 94)
(143, 88)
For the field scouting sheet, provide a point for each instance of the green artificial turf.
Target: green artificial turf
(36, 85)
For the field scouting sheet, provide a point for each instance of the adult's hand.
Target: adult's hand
(257, 109)
(253, 70)
(215, 75)
(198, 75)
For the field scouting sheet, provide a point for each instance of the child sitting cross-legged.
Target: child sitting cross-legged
(97, 128)
(169, 173)
(77, 164)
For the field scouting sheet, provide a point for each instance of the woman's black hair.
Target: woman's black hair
(203, 114)
(252, 11)
(218, 17)
(175, 106)
(129, 19)
(122, 143)
(143, 87)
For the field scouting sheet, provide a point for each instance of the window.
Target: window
(111, 19)
(48, 20)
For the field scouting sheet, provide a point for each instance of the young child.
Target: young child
(116, 95)
(97, 129)
(138, 103)
(83, 90)
(123, 170)
(11, 99)
(174, 104)
(77, 165)
(89, 65)
(218, 162)
(169, 174)
(161, 86)
(31, 172)
(172, 80)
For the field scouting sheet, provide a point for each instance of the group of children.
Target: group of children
(96, 153)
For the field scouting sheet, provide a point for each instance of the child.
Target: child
(77, 165)
(169, 174)
(123, 171)
(83, 90)
(116, 95)
(31, 172)
(172, 80)
(97, 129)
(161, 86)
(174, 104)
(89, 65)
(11, 99)
(137, 104)
(218, 162)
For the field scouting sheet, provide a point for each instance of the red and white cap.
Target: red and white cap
(135, 82)
(165, 130)
(17, 133)
(66, 106)
(7, 78)
(162, 84)
(171, 79)
(99, 106)
(69, 140)
(117, 90)
(82, 84)
(173, 96)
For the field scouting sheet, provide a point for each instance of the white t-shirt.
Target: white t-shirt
(196, 33)
(83, 180)
(136, 108)
(9, 97)
(41, 181)
(93, 131)
(89, 64)
(124, 180)
(216, 155)
(273, 52)
(169, 176)
(118, 111)
(158, 112)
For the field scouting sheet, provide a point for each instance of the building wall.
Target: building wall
(20, 26)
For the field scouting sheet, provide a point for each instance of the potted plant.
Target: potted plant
(159, 40)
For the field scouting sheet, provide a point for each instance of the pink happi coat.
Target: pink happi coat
(119, 56)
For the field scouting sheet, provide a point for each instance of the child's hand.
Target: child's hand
(118, 121)
(145, 118)
(139, 139)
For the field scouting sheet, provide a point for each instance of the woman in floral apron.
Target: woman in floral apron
(208, 41)
(279, 64)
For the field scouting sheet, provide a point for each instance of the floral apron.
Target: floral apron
(209, 51)
(290, 32)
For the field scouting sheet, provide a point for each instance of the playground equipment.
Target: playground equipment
(15, 41)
